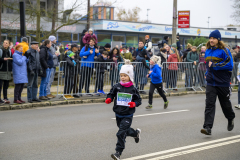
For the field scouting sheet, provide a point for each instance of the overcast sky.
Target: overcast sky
(161, 10)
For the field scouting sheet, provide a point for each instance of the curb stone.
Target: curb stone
(78, 101)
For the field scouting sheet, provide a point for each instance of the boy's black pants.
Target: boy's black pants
(124, 125)
(223, 94)
(99, 81)
(159, 87)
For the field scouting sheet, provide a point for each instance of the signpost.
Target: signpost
(183, 19)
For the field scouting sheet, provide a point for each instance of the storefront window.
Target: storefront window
(64, 37)
(155, 40)
(132, 41)
(119, 38)
(103, 39)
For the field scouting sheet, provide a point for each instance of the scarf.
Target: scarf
(127, 84)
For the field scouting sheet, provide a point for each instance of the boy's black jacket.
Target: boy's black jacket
(101, 66)
(124, 110)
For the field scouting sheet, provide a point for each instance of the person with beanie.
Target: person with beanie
(69, 74)
(126, 98)
(24, 43)
(46, 60)
(56, 56)
(126, 54)
(173, 67)
(219, 63)
(202, 67)
(156, 82)
(148, 43)
(84, 32)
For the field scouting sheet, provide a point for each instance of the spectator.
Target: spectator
(173, 67)
(202, 67)
(148, 43)
(100, 69)
(185, 52)
(191, 69)
(141, 54)
(107, 48)
(163, 58)
(234, 52)
(34, 68)
(126, 54)
(77, 59)
(46, 60)
(5, 70)
(84, 32)
(19, 73)
(24, 43)
(178, 44)
(87, 68)
(62, 49)
(115, 57)
(88, 36)
(55, 54)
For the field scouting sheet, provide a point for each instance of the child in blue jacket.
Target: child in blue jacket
(155, 74)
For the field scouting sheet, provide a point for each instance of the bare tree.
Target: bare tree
(236, 13)
(130, 15)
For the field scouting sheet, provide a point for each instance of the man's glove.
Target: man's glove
(32, 73)
(108, 101)
(132, 104)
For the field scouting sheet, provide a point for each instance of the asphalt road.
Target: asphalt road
(88, 132)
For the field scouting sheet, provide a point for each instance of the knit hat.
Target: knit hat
(174, 45)
(128, 70)
(107, 45)
(24, 39)
(147, 36)
(216, 34)
(90, 29)
(52, 38)
(155, 59)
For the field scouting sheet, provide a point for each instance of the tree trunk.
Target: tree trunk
(38, 13)
(88, 15)
(55, 6)
(0, 21)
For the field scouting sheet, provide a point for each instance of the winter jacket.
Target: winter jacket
(140, 52)
(19, 68)
(25, 46)
(172, 58)
(127, 55)
(148, 45)
(69, 67)
(5, 66)
(124, 110)
(46, 59)
(219, 74)
(193, 56)
(101, 67)
(87, 37)
(53, 50)
(90, 57)
(185, 53)
(163, 56)
(33, 60)
(156, 76)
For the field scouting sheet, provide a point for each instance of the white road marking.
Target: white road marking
(182, 148)
(153, 114)
(196, 150)
(2, 132)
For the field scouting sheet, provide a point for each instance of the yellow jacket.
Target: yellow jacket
(25, 46)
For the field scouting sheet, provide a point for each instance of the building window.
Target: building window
(64, 37)
(119, 38)
(103, 39)
(108, 13)
(95, 13)
(75, 37)
(132, 41)
(13, 6)
(155, 40)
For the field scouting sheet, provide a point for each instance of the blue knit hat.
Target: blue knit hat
(215, 34)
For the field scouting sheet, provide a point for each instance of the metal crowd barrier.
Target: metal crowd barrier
(234, 80)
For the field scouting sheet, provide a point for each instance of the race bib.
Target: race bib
(123, 99)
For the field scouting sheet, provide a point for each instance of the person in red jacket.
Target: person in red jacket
(173, 67)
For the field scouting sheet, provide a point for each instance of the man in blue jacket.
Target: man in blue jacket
(87, 65)
(219, 65)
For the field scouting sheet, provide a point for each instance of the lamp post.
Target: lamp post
(208, 21)
(147, 14)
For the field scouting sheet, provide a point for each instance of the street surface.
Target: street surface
(88, 132)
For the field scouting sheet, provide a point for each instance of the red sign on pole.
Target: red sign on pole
(183, 19)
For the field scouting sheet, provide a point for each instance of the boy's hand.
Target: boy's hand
(108, 101)
(132, 104)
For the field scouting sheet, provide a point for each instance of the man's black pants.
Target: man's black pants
(223, 94)
(124, 125)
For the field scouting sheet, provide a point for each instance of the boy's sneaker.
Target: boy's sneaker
(99, 91)
(166, 104)
(116, 156)
(149, 107)
(102, 92)
(137, 139)
(206, 131)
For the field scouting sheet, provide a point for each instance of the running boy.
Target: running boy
(156, 82)
(126, 97)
